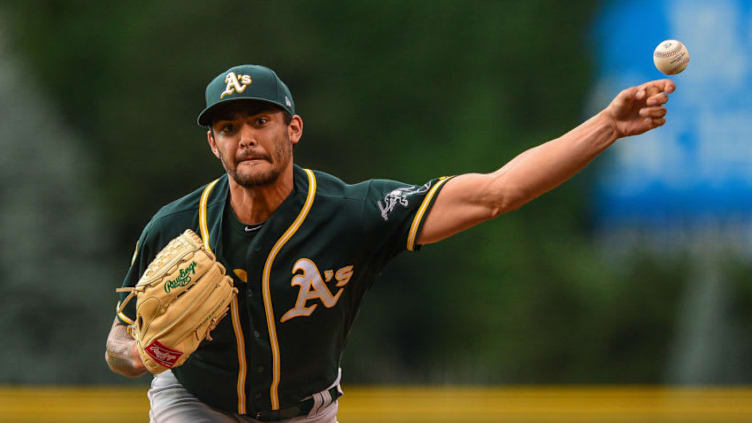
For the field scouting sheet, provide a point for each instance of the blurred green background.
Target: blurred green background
(98, 102)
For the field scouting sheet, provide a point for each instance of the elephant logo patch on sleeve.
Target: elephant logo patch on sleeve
(399, 196)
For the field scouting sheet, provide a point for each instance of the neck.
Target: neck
(254, 205)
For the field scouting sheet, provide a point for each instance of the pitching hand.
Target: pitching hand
(641, 108)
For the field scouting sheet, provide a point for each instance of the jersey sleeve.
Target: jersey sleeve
(139, 262)
(394, 213)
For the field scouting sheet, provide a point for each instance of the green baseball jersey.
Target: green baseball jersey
(301, 277)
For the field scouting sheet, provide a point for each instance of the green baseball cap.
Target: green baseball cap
(246, 82)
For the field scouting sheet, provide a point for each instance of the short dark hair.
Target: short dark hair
(288, 117)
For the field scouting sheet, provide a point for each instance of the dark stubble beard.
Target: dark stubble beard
(281, 157)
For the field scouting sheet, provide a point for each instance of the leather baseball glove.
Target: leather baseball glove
(181, 297)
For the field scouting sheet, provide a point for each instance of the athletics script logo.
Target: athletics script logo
(236, 83)
(399, 196)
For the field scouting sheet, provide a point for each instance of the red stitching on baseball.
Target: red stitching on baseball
(669, 53)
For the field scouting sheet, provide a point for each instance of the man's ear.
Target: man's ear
(212, 142)
(295, 129)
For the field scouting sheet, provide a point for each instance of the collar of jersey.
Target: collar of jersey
(272, 228)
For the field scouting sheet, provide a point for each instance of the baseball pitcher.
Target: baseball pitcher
(240, 295)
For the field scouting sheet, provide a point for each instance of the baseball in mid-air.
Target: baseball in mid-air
(671, 57)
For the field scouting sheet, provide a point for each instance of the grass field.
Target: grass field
(421, 404)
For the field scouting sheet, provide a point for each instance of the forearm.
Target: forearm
(121, 354)
(473, 198)
(546, 166)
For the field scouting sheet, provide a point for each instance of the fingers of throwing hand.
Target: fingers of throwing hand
(654, 123)
(668, 85)
(660, 85)
(653, 112)
(652, 90)
(657, 100)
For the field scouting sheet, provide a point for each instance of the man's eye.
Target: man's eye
(261, 121)
(227, 128)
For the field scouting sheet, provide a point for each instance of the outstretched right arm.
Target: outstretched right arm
(121, 352)
(470, 199)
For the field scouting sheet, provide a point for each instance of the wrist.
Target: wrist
(607, 123)
(138, 364)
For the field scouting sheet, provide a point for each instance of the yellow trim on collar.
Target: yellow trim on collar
(421, 211)
(265, 282)
(203, 227)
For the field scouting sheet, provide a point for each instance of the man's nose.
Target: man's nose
(247, 136)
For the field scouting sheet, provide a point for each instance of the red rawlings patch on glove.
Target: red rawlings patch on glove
(165, 356)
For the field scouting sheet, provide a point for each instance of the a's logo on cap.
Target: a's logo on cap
(236, 83)
(287, 102)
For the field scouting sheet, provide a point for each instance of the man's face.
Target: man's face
(253, 142)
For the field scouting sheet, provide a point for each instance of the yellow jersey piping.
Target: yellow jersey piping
(242, 366)
(265, 282)
(237, 328)
(203, 227)
(421, 211)
(122, 316)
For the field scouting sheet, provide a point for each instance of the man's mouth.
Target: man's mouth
(254, 159)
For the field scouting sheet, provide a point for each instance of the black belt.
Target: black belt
(303, 408)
